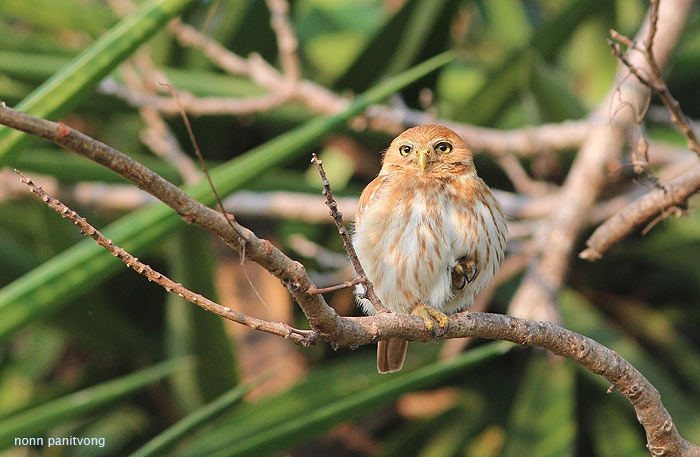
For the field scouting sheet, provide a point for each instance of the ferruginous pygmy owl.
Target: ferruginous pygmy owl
(429, 233)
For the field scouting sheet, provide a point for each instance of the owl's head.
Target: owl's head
(429, 149)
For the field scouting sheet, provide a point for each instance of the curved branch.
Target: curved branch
(661, 433)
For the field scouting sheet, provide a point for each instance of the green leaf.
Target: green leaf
(64, 90)
(58, 281)
(400, 43)
(580, 316)
(325, 400)
(191, 331)
(183, 428)
(542, 421)
(37, 419)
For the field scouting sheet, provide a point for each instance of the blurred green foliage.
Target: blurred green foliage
(87, 346)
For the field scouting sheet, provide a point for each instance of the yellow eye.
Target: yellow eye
(405, 150)
(443, 147)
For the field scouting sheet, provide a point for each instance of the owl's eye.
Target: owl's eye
(443, 147)
(405, 150)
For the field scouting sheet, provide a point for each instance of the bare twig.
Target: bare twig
(345, 285)
(347, 240)
(286, 39)
(654, 81)
(667, 196)
(303, 337)
(673, 194)
(198, 153)
(141, 76)
(537, 293)
(662, 435)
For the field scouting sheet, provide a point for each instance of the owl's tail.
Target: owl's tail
(391, 354)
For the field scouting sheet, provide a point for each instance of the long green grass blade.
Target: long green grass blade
(580, 316)
(295, 416)
(187, 425)
(543, 421)
(191, 331)
(63, 278)
(66, 88)
(401, 41)
(40, 418)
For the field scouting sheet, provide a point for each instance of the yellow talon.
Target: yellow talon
(430, 317)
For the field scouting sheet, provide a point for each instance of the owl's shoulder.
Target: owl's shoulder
(369, 194)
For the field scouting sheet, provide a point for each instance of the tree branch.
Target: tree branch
(302, 337)
(650, 205)
(291, 273)
(667, 196)
(662, 435)
(347, 241)
(536, 295)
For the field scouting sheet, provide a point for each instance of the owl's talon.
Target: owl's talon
(431, 317)
(464, 273)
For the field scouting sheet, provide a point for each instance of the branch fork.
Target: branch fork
(662, 201)
(662, 436)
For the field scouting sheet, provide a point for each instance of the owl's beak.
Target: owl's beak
(423, 158)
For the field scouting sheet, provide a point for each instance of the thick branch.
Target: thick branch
(662, 436)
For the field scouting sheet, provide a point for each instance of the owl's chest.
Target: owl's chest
(415, 217)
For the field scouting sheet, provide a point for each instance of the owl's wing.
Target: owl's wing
(367, 195)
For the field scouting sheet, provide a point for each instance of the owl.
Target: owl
(429, 233)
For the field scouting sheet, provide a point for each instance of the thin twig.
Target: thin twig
(261, 251)
(666, 196)
(287, 42)
(141, 75)
(662, 435)
(345, 285)
(198, 153)
(655, 80)
(303, 337)
(347, 240)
